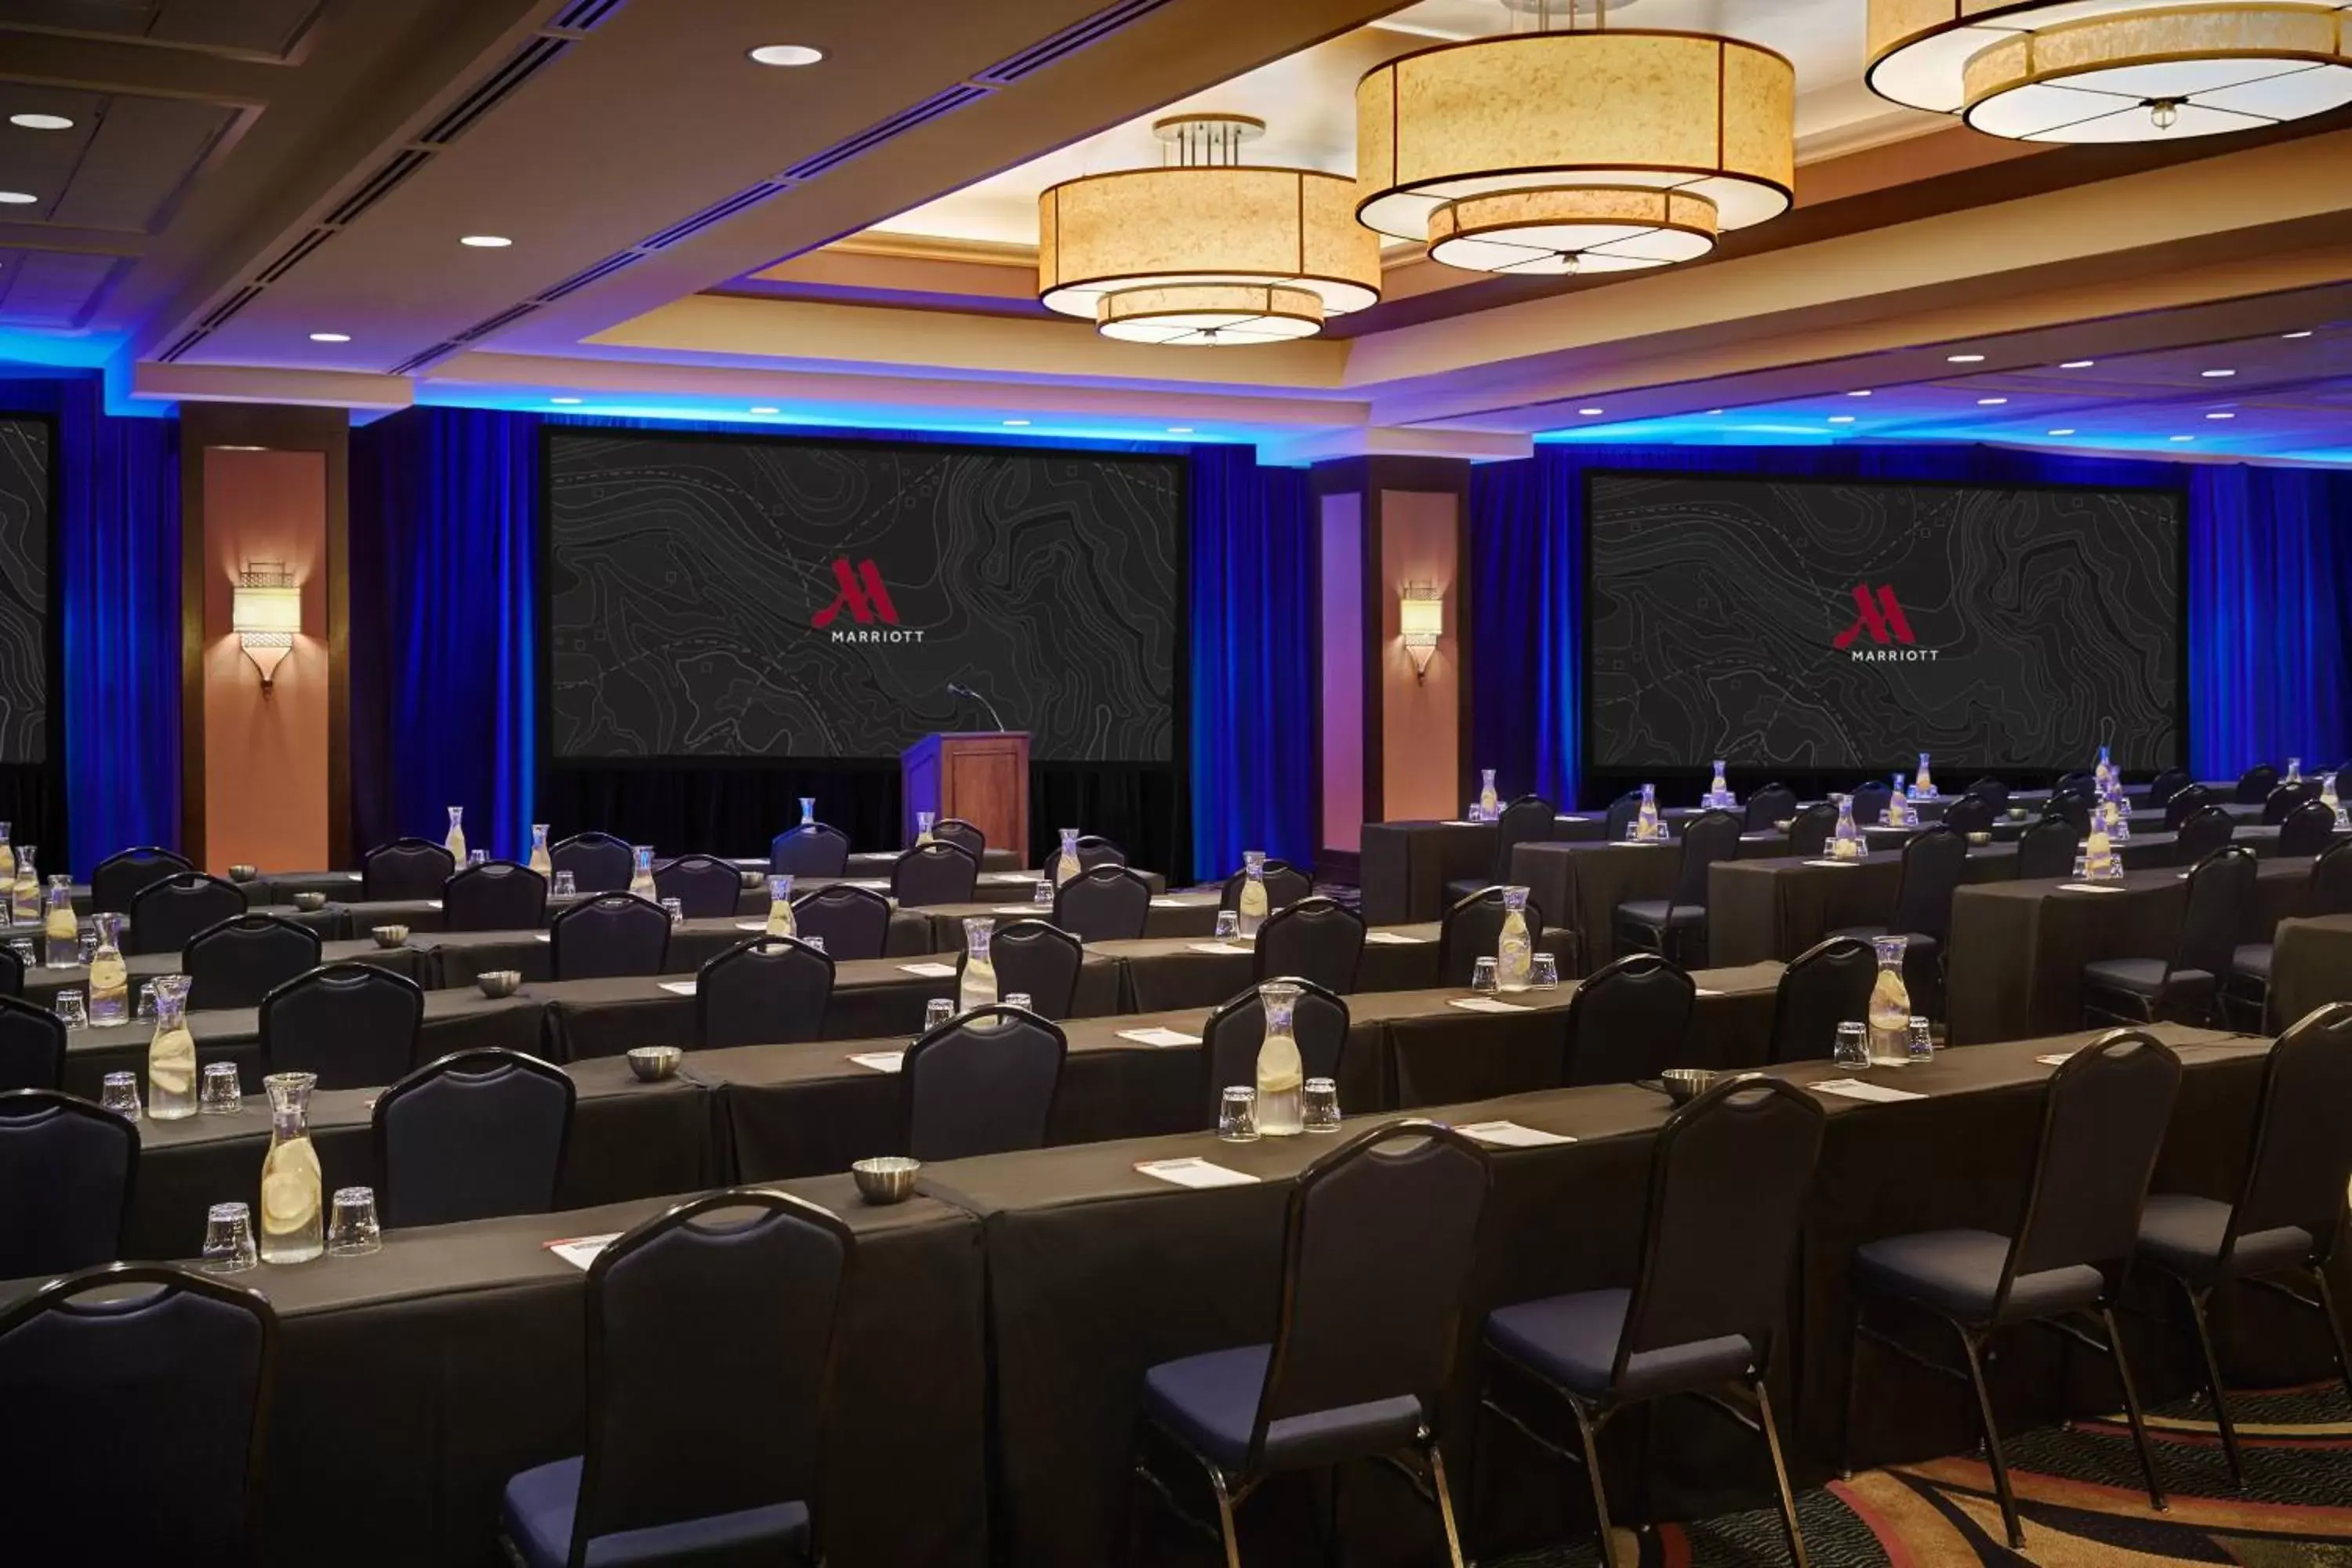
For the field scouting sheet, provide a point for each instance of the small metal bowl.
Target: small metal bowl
(1980, 837)
(2017, 813)
(1687, 1084)
(242, 873)
(887, 1179)
(653, 1063)
(498, 983)
(390, 936)
(310, 903)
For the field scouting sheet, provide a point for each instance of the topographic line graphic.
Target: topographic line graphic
(23, 590)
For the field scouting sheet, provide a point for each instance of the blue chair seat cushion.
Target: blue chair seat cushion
(538, 1510)
(2184, 1234)
(2251, 961)
(2141, 976)
(1572, 1341)
(1210, 1402)
(1656, 912)
(1957, 1272)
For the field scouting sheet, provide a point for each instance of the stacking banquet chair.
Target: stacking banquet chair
(2073, 806)
(1933, 864)
(982, 1083)
(2282, 801)
(355, 1024)
(1627, 1020)
(2081, 782)
(766, 991)
(1771, 806)
(1391, 1217)
(66, 1168)
(1229, 1041)
(955, 830)
(2186, 986)
(1095, 851)
(1527, 820)
(2167, 783)
(706, 887)
(1677, 925)
(1870, 798)
(406, 868)
(1810, 829)
(1970, 813)
(1103, 903)
(496, 895)
(2254, 785)
(810, 850)
(2306, 829)
(32, 1048)
(1621, 816)
(2103, 1118)
(852, 922)
(2047, 850)
(599, 862)
(934, 873)
(611, 934)
(1470, 931)
(2288, 1214)
(1728, 1174)
(2328, 892)
(1285, 885)
(136, 1422)
(2184, 803)
(238, 961)
(12, 974)
(2204, 831)
(1991, 791)
(474, 1134)
(1823, 986)
(1038, 959)
(683, 1468)
(1318, 938)
(123, 876)
(165, 914)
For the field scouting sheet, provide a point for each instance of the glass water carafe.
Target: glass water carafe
(2106, 770)
(1898, 810)
(2099, 849)
(172, 1054)
(109, 977)
(780, 908)
(1251, 908)
(1066, 863)
(60, 931)
(977, 988)
(808, 811)
(292, 1225)
(1646, 821)
(2330, 799)
(8, 858)
(1890, 1007)
(25, 892)
(1490, 805)
(2294, 770)
(1280, 1070)
(456, 842)
(1845, 840)
(923, 821)
(1923, 785)
(1718, 791)
(541, 861)
(2117, 813)
(641, 872)
(1514, 947)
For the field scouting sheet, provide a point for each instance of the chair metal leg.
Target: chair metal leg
(1479, 1457)
(1444, 1504)
(2156, 1498)
(1993, 1456)
(1331, 1550)
(1779, 1473)
(2228, 1427)
(1226, 1532)
(1589, 1438)
(1853, 1390)
(2335, 1329)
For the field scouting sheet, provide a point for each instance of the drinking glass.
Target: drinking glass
(1922, 1039)
(813, 943)
(70, 1009)
(566, 885)
(220, 1093)
(1229, 924)
(1852, 1044)
(936, 1011)
(87, 944)
(22, 946)
(1237, 1114)
(1543, 972)
(1319, 1105)
(477, 857)
(1043, 894)
(352, 1228)
(2082, 866)
(1021, 999)
(228, 1240)
(118, 1092)
(1482, 977)
(675, 911)
(147, 1000)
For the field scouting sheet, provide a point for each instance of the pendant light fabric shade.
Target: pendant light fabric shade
(1575, 152)
(2113, 70)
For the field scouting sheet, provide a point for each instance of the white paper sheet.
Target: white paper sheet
(928, 971)
(432, 903)
(1854, 1088)
(1703, 991)
(580, 1252)
(1489, 1005)
(1180, 903)
(2089, 888)
(1156, 1037)
(880, 1061)
(2055, 1059)
(678, 987)
(1218, 947)
(1510, 1135)
(1833, 864)
(1395, 938)
(1194, 1173)
(542, 936)
(751, 925)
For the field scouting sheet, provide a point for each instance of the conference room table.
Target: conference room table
(42, 985)
(2311, 966)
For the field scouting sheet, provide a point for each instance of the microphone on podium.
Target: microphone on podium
(967, 692)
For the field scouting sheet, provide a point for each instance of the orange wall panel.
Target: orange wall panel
(1420, 763)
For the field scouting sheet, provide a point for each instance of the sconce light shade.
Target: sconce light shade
(1421, 616)
(266, 614)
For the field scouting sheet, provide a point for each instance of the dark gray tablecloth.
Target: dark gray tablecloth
(1758, 910)
(2310, 967)
(1406, 865)
(1162, 972)
(42, 985)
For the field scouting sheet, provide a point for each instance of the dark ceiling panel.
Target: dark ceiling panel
(251, 26)
(51, 288)
(143, 151)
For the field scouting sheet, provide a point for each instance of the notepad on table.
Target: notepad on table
(929, 970)
(580, 1252)
(1856, 861)
(1510, 1135)
(678, 987)
(1023, 910)
(542, 936)
(2055, 1059)
(1158, 1037)
(1395, 938)
(1218, 947)
(1179, 903)
(1854, 1088)
(1194, 1173)
(2088, 887)
(880, 1061)
(751, 925)
(1489, 1004)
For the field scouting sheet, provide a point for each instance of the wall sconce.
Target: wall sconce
(266, 610)
(1421, 616)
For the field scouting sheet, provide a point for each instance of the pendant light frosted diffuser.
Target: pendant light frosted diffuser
(1204, 251)
(1584, 151)
(2113, 70)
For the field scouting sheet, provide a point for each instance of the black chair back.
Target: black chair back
(2102, 1120)
(406, 868)
(599, 863)
(1823, 986)
(1810, 829)
(1970, 813)
(2283, 801)
(1933, 863)
(2254, 785)
(477, 1134)
(136, 1423)
(766, 991)
(1710, 836)
(2047, 850)
(1095, 851)
(2073, 808)
(981, 1084)
(1728, 1176)
(1870, 798)
(706, 887)
(853, 923)
(66, 1168)
(1107, 902)
(2220, 896)
(32, 1048)
(123, 876)
(2302, 1154)
(2083, 781)
(2204, 832)
(165, 914)
(2167, 783)
(355, 1024)
(935, 873)
(1622, 813)
(2186, 801)
(12, 974)
(1285, 885)
(1391, 1217)
(1230, 1039)
(2306, 829)
(1318, 939)
(1471, 929)
(610, 934)
(753, 1282)
(496, 895)
(1527, 820)
(2330, 890)
(1627, 1020)
(238, 961)
(815, 850)
(955, 830)
(1991, 791)
(1771, 806)
(1039, 959)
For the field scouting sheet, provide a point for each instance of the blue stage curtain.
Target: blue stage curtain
(1254, 661)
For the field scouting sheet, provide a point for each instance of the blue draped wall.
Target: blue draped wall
(2269, 589)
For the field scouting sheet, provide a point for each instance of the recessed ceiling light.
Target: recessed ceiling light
(1991, 402)
(1180, 429)
(2223, 414)
(41, 121)
(2216, 374)
(767, 408)
(1840, 418)
(1964, 358)
(331, 337)
(18, 198)
(486, 241)
(1863, 391)
(1589, 412)
(787, 55)
(2064, 430)
(2303, 334)
(564, 400)
(2077, 364)
(1016, 422)
(2184, 437)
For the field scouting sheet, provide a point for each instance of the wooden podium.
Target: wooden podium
(982, 777)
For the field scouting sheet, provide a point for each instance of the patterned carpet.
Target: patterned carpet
(2080, 1493)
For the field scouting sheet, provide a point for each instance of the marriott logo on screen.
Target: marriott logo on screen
(1890, 630)
(861, 591)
